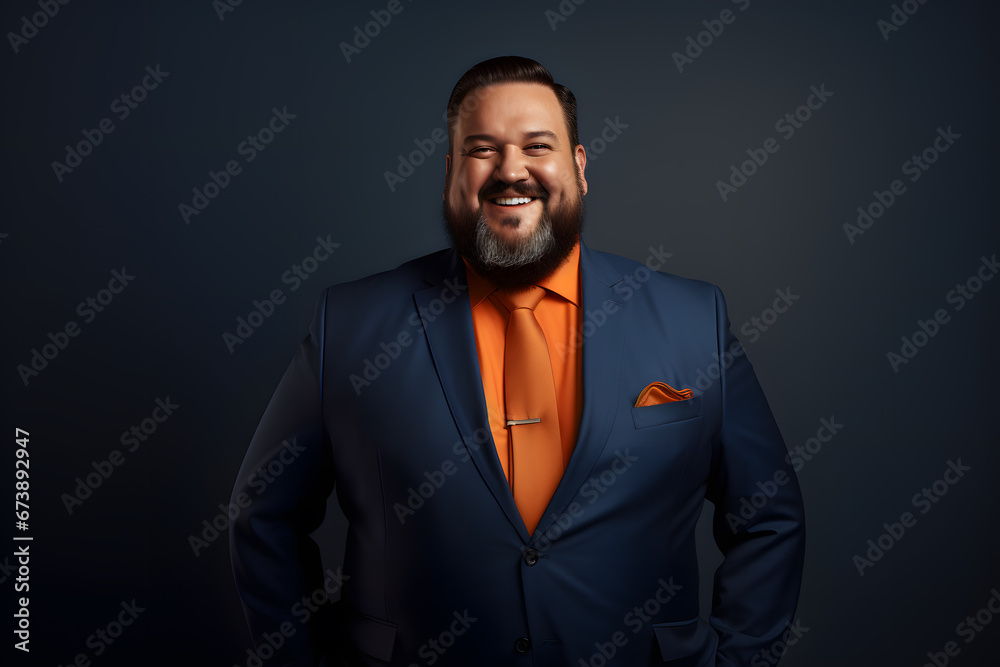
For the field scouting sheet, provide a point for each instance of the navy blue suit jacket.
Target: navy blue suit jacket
(383, 402)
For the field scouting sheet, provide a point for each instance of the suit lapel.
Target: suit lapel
(451, 337)
(603, 345)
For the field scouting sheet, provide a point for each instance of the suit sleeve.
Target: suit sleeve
(284, 482)
(759, 519)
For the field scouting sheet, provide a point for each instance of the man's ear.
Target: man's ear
(580, 156)
(447, 173)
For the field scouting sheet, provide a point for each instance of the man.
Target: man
(513, 437)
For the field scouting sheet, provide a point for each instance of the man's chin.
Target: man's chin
(511, 235)
(512, 229)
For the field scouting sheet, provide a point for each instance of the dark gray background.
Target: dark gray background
(654, 185)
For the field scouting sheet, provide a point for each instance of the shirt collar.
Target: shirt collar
(564, 281)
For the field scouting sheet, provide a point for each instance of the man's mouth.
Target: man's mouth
(512, 201)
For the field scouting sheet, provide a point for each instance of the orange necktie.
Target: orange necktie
(532, 412)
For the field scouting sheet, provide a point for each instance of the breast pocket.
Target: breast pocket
(666, 413)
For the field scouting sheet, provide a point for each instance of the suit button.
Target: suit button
(530, 556)
(522, 645)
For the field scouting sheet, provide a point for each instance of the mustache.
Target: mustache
(520, 188)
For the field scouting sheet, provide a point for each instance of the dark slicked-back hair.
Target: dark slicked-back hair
(509, 69)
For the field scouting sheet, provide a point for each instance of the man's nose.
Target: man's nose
(512, 165)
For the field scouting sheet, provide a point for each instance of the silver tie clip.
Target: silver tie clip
(517, 422)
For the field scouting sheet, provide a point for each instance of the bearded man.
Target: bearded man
(523, 466)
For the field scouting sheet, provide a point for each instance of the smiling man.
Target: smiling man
(523, 477)
(514, 187)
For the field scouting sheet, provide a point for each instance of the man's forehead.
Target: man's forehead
(524, 107)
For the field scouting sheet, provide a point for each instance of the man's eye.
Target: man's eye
(537, 147)
(481, 150)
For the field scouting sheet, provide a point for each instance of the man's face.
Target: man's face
(513, 196)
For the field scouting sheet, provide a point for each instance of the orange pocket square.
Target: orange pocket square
(661, 392)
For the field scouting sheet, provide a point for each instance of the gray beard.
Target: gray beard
(525, 261)
(494, 252)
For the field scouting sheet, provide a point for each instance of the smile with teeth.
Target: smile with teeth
(512, 201)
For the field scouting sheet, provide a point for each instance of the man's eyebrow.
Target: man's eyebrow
(488, 138)
(548, 134)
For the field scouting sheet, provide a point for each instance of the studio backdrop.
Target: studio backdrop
(181, 181)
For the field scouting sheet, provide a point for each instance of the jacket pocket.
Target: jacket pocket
(371, 636)
(686, 643)
(666, 413)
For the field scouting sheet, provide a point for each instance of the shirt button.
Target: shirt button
(522, 645)
(530, 557)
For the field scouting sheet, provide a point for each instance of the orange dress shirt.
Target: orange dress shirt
(560, 315)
